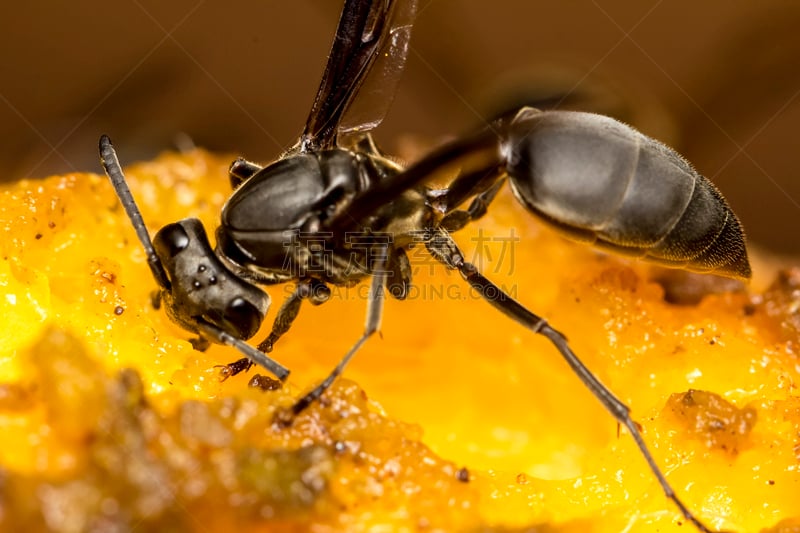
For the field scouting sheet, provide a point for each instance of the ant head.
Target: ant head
(199, 292)
(201, 288)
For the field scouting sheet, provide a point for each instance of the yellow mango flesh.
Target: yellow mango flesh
(453, 419)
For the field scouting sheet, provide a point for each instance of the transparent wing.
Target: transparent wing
(376, 94)
(367, 30)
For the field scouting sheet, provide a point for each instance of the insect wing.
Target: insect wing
(369, 107)
(363, 32)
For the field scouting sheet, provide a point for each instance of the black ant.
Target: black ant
(334, 210)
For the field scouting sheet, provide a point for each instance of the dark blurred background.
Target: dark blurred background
(718, 79)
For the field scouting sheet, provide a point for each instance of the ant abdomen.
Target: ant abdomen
(602, 182)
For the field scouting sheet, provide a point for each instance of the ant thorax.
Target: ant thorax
(273, 226)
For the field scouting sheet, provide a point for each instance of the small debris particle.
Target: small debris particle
(265, 383)
(713, 420)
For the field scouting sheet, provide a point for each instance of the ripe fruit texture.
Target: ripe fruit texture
(455, 419)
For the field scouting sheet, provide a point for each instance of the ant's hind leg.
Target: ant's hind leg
(455, 220)
(445, 250)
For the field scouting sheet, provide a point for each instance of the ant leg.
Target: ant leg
(373, 322)
(283, 320)
(464, 186)
(445, 250)
(240, 170)
(231, 369)
(455, 220)
(480, 204)
(477, 156)
(155, 299)
(398, 275)
(313, 290)
(213, 332)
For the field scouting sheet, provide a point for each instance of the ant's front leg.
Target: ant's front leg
(241, 170)
(312, 290)
(444, 249)
(210, 331)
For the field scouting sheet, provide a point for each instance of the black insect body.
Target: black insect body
(309, 189)
(607, 184)
(334, 210)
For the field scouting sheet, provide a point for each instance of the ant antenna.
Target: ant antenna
(108, 156)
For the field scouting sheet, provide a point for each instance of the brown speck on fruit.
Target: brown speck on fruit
(15, 397)
(118, 310)
(283, 418)
(265, 383)
(463, 475)
(713, 420)
(682, 287)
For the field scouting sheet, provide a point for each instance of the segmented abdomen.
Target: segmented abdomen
(605, 183)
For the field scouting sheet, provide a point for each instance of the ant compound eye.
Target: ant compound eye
(170, 240)
(243, 316)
